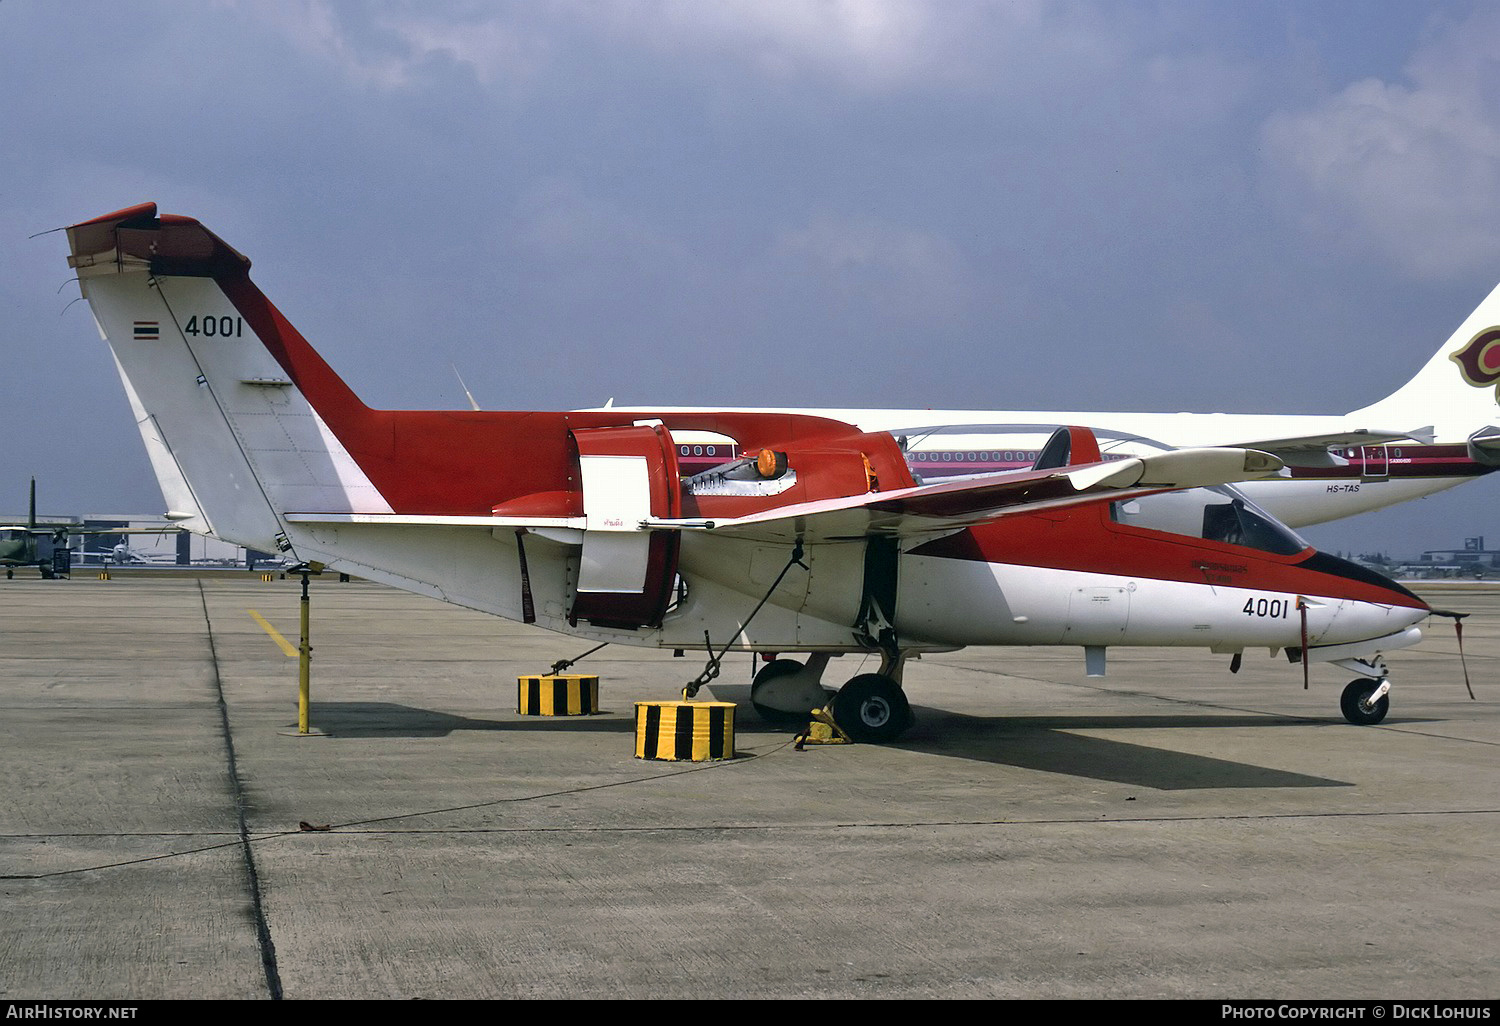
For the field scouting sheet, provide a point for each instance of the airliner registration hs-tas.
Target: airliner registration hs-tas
(821, 534)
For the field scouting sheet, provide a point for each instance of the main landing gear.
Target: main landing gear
(871, 708)
(785, 691)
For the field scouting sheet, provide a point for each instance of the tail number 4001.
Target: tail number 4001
(1278, 608)
(210, 326)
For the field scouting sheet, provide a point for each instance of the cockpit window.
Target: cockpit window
(1213, 514)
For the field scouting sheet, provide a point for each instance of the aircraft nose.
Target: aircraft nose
(1349, 604)
(1362, 584)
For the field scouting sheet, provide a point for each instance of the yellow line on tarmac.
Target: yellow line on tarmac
(286, 646)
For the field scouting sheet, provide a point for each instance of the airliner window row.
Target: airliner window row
(996, 456)
(972, 457)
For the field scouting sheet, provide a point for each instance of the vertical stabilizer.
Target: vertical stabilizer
(1456, 391)
(233, 441)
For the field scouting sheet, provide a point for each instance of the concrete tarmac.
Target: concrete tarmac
(1168, 831)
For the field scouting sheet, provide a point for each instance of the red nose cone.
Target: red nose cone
(1361, 583)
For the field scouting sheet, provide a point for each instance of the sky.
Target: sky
(1270, 207)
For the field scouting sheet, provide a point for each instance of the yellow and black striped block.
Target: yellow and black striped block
(103, 575)
(558, 694)
(684, 731)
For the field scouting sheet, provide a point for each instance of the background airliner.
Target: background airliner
(1438, 430)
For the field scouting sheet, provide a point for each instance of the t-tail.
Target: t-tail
(255, 439)
(214, 383)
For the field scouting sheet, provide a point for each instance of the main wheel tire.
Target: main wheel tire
(1354, 699)
(773, 670)
(872, 708)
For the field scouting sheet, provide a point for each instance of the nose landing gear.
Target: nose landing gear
(1365, 702)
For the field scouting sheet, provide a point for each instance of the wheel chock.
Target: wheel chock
(684, 731)
(558, 694)
(821, 731)
(103, 575)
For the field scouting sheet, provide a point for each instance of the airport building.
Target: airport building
(1473, 556)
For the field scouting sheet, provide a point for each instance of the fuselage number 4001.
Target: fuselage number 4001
(215, 327)
(1275, 608)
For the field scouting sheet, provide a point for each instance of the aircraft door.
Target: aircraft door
(626, 573)
(1376, 462)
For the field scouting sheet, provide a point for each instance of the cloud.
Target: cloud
(899, 271)
(1410, 170)
(861, 45)
(389, 47)
(871, 43)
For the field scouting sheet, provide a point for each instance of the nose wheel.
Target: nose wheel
(1365, 702)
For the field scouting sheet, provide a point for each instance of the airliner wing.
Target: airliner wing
(1312, 450)
(935, 509)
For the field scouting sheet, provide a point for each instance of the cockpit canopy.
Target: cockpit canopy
(1219, 514)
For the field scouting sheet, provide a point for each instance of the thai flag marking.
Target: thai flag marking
(147, 331)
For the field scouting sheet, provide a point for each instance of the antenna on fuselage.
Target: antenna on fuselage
(472, 404)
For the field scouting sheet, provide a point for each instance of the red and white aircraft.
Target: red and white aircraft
(819, 536)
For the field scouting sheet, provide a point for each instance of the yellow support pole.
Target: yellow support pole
(304, 662)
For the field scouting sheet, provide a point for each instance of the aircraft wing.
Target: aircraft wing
(949, 506)
(1312, 450)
